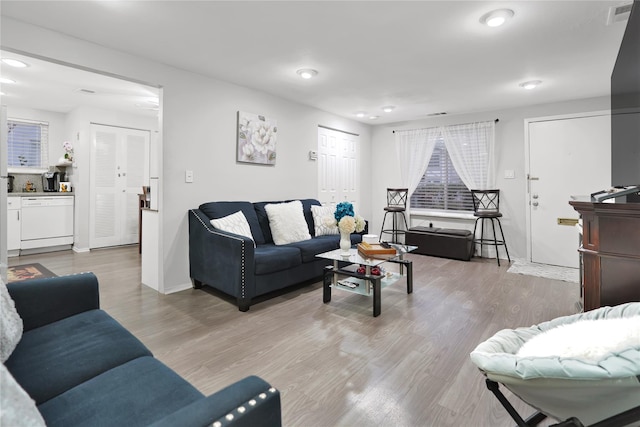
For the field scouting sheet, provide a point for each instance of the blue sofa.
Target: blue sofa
(83, 368)
(230, 263)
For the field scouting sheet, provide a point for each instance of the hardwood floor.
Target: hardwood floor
(334, 363)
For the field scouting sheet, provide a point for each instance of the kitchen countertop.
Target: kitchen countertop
(39, 193)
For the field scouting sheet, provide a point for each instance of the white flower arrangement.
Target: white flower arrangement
(346, 219)
(68, 148)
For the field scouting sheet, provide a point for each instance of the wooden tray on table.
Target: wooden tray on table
(375, 250)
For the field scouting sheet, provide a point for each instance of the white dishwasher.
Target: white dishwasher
(46, 221)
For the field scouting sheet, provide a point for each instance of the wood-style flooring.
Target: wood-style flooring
(334, 363)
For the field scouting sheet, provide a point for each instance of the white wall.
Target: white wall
(510, 154)
(198, 133)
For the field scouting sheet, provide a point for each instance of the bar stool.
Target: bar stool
(486, 206)
(396, 205)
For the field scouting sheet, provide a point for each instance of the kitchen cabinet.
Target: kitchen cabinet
(13, 223)
(39, 223)
(46, 221)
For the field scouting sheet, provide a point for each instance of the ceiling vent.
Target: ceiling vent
(619, 13)
(437, 114)
(89, 91)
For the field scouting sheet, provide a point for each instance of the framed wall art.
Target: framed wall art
(257, 137)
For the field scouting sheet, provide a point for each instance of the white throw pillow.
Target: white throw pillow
(10, 324)
(324, 220)
(587, 340)
(235, 223)
(287, 223)
(16, 407)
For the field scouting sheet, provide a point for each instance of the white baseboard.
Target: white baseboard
(80, 250)
(178, 288)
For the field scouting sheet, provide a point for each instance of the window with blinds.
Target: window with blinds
(440, 187)
(27, 144)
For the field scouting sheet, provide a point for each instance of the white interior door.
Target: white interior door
(567, 157)
(338, 167)
(119, 170)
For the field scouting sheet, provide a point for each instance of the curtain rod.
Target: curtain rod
(496, 121)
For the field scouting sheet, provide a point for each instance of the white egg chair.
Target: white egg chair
(582, 370)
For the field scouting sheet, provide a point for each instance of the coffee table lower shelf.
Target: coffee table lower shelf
(367, 285)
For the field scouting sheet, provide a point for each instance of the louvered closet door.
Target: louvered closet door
(135, 170)
(337, 167)
(119, 169)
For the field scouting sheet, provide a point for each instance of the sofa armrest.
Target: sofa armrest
(43, 301)
(250, 402)
(220, 259)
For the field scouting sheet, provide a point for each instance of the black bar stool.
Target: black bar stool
(396, 205)
(486, 206)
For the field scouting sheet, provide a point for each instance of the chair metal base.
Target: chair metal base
(490, 242)
(622, 419)
(394, 231)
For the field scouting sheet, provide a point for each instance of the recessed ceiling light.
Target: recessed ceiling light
(361, 114)
(6, 80)
(374, 117)
(14, 63)
(388, 108)
(307, 73)
(495, 18)
(530, 84)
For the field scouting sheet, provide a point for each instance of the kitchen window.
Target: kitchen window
(27, 144)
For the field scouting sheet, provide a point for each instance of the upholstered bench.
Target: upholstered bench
(441, 242)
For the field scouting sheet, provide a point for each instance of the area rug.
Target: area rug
(543, 270)
(18, 273)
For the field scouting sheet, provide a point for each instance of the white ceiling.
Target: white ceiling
(50, 86)
(421, 56)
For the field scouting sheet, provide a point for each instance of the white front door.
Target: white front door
(568, 156)
(119, 170)
(338, 168)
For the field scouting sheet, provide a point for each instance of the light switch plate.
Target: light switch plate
(188, 176)
(509, 174)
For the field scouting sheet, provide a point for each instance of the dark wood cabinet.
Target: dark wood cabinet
(610, 252)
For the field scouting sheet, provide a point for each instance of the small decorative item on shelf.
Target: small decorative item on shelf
(348, 222)
(65, 187)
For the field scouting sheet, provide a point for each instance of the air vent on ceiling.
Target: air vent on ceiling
(619, 13)
(437, 114)
(82, 90)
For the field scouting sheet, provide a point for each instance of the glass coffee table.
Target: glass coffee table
(347, 277)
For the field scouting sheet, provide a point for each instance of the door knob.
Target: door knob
(535, 196)
(535, 203)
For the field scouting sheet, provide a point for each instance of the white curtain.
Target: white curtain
(414, 149)
(470, 147)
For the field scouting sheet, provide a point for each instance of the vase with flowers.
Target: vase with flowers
(348, 222)
(68, 151)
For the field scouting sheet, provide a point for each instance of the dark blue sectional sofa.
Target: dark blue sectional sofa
(229, 262)
(83, 368)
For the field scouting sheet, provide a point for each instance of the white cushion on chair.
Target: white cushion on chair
(17, 407)
(235, 223)
(324, 220)
(588, 340)
(498, 354)
(10, 324)
(287, 222)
